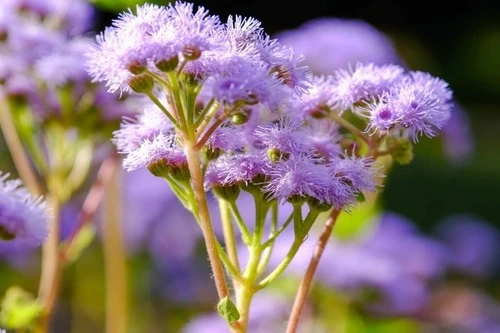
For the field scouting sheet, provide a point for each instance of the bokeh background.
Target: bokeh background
(459, 42)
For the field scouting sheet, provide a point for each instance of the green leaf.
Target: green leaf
(401, 149)
(19, 309)
(228, 310)
(350, 224)
(82, 240)
(122, 5)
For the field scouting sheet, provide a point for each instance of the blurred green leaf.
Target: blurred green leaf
(350, 224)
(19, 309)
(82, 240)
(122, 5)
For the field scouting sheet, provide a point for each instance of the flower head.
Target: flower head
(364, 83)
(23, 219)
(298, 177)
(162, 149)
(418, 104)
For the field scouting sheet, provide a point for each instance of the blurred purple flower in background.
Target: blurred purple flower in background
(458, 141)
(269, 314)
(330, 43)
(388, 270)
(474, 245)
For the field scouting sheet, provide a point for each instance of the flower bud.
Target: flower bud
(167, 65)
(141, 83)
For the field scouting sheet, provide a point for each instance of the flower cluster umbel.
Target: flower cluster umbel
(231, 109)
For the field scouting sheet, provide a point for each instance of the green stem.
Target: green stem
(247, 289)
(208, 133)
(160, 79)
(51, 266)
(269, 249)
(204, 112)
(92, 201)
(115, 260)
(206, 116)
(180, 107)
(306, 283)
(345, 123)
(229, 237)
(16, 149)
(299, 239)
(235, 271)
(274, 235)
(246, 236)
(203, 213)
(164, 109)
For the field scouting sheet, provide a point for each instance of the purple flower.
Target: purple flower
(318, 101)
(474, 244)
(418, 254)
(364, 83)
(23, 219)
(288, 67)
(387, 269)
(418, 104)
(162, 149)
(147, 125)
(284, 136)
(152, 34)
(457, 136)
(239, 169)
(64, 65)
(137, 221)
(246, 83)
(228, 138)
(324, 137)
(331, 43)
(74, 17)
(298, 176)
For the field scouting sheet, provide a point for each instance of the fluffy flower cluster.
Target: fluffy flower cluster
(393, 101)
(236, 59)
(285, 158)
(23, 219)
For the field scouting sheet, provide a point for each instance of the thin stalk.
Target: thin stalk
(51, 266)
(228, 230)
(161, 80)
(181, 67)
(205, 112)
(164, 109)
(306, 283)
(203, 213)
(246, 236)
(235, 271)
(115, 259)
(16, 149)
(274, 235)
(179, 105)
(297, 242)
(247, 290)
(208, 133)
(92, 200)
(206, 116)
(345, 123)
(269, 249)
